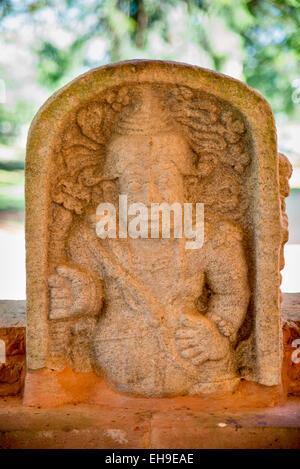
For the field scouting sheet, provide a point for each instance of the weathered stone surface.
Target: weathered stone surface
(253, 416)
(12, 374)
(103, 427)
(151, 316)
(12, 313)
(49, 388)
(291, 343)
(291, 307)
(291, 368)
(266, 429)
(12, 366)
(16, 337)
(73, 428)
(12, 339)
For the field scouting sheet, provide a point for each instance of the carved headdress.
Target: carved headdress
(216, 136)
(146, 116)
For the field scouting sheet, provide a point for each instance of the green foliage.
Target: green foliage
(271, 40)
(54, 64)
(5, 7)
(266, 31)
(11, 190)
(13, 165)
(12, 119)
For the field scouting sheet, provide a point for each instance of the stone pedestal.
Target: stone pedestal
(12, 335)
(178, 425)
(54, 412)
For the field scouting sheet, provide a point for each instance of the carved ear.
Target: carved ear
(90, 119)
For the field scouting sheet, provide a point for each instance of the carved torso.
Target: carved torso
(131, 275)
(153, 317)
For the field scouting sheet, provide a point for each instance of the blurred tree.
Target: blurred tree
(12, 119)
(270, 32)
(254, 40)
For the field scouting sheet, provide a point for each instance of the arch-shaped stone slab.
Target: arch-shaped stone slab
(131, 123)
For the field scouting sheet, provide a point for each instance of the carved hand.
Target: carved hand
(74, 292)
(225, 327)
(199, 339)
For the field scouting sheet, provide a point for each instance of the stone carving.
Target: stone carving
(150, 316)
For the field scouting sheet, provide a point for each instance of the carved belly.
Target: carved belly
(133, 360)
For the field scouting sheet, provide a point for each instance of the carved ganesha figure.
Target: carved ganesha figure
(153, 317)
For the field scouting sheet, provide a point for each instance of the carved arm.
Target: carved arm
(227, 279)
(74, 290)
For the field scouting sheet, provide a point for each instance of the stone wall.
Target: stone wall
(13, 333)
(291, 332)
